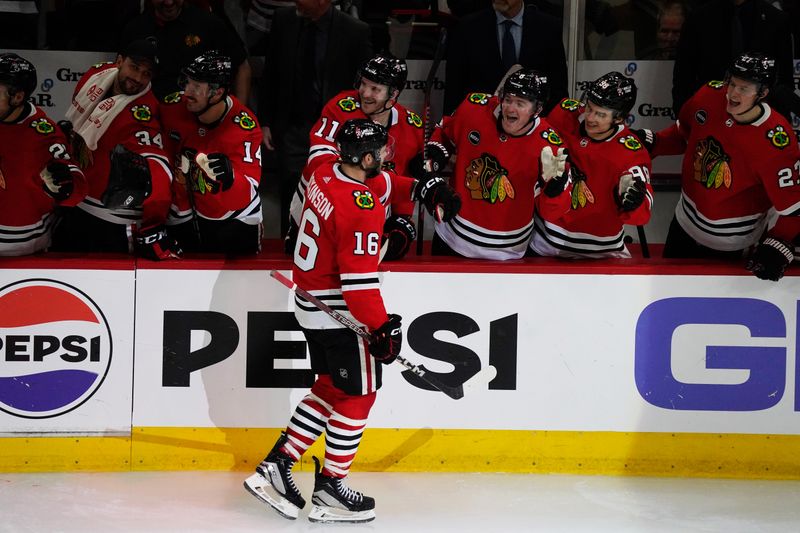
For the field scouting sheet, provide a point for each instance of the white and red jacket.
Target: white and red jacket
(733, 175)
(593, 227)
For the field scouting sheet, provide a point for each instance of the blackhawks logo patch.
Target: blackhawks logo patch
(142, 113)
(570, 104)
(779, 137)
(631, 142)
(478, 98)
(245, 121)
(173, 98)
(716, 84)
(487, 180)
(43, 126)
(711, 164)
(414, 119)
(348, 104)
(552, 137)
(364, 199)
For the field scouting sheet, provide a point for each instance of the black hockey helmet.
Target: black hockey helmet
(211, 67)
(755, 67)
(17, 73)
(613, 91)
(385, 69)
(529, 84)
(360, 136)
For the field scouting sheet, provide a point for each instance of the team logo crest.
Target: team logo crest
(552, 137)
(631, 143)
(98, 65)
(414, 119)
(245, 121)
(142, 113)
(716, 84)
(478, 98)
(581, 194)
(486, 179)
(388, 165)
(364, 199)
(43, 126)
(711, 164)
(779, 137)
(173, 98)
(570, 104)
(348, 104)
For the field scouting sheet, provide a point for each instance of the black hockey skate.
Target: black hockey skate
(273, 482)
(336, 502)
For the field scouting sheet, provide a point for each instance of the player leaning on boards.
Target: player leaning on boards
(509, 161)
(36, 172)
(336, 259)
(610, 174)
(115, 132)
(378, 85)
(741, 161)
(215, 141)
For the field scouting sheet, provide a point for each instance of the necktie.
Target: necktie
(509, 52)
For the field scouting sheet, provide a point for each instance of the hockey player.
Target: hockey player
(379, 83)
(36, 172)
(509, 160)
(336, 258)
(114, 112)
(741, 161)
(610, 175)
(216, 143)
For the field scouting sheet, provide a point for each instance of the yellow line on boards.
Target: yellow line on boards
(424, 450)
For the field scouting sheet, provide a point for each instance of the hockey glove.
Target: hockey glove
(156, 245)
(398, 234)
(129, 181)
(57, 180)
(387, 340)
(217, 167)
(647, 138)
(437, 197)
(553, 164)
(770, 259)
(630, 193)
(437, 159)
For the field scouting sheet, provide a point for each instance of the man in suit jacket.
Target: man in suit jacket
(475, 61)
(313, 54)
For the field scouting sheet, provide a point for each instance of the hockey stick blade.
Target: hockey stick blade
(481, 379)
(453, 392)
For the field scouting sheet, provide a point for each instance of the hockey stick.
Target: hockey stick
(455, 393)
(643, 242)
(427, 127)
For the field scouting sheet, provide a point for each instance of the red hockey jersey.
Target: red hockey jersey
(138, 128)
(238, 136)
(337, 251)
(498, 179)
(733, 174)
(405, 141)
(593, 225)
(26, 211)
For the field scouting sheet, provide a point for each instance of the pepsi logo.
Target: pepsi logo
(55, 348)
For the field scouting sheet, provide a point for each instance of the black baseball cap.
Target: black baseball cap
(142, 49)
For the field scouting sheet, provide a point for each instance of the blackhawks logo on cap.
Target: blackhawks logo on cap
(43, 126)
(779, 137)
(348, 104)
(245, 121)
(478, 98)
(142, 113)
(364, 199)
